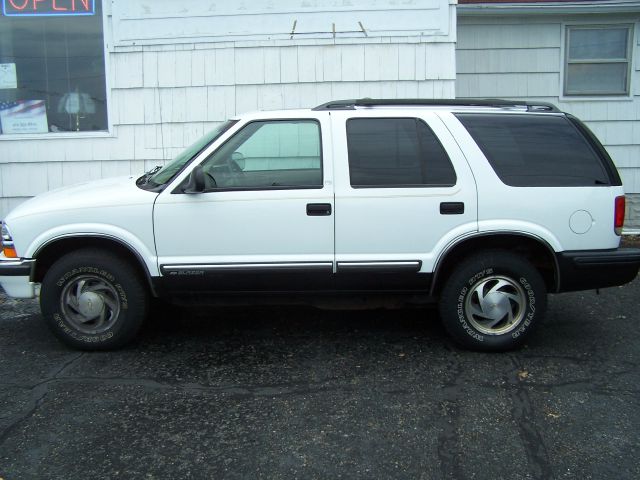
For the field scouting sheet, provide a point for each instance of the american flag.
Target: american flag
(23, 109)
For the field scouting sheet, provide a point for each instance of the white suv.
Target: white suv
(483, 206)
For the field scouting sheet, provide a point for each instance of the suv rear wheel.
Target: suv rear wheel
(492, 301)
(93, 300)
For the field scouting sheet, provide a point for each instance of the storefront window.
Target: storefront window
(52, 73)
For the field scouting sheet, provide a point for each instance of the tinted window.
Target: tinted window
(535, 150)
(268, 154)
(390, 152)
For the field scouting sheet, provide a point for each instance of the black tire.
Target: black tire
(493, 301)
(93, 300)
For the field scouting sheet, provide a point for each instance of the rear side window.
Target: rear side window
(536, 150)
(395, 152)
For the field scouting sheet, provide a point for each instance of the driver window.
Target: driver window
(268, 154)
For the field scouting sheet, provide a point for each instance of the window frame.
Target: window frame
(109, 133)
(565, 62)
(267, 188)
(411, 185)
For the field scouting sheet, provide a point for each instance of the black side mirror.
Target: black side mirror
(196, 181)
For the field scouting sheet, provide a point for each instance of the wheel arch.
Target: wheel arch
(535, 249)
(49, 252)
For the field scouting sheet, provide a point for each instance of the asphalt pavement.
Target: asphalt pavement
(236, 393)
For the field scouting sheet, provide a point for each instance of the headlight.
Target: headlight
(8, 248)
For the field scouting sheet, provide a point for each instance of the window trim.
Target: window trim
(177, 190)
(110, 132)
(564, 59)
(399, 185)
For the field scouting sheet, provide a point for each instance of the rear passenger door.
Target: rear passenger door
(404, 191)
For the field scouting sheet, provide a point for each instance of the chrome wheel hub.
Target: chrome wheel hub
(495, 305)
(90, 304)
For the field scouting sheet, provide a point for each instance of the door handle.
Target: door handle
(318, 209)
(451, 208)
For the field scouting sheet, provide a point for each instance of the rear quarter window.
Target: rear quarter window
(536, 150)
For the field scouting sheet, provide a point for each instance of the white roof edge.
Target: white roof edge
(279, 112)
(617, 6)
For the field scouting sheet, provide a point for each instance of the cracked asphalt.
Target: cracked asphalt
(302, 393)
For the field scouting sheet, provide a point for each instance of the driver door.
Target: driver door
(265, 220)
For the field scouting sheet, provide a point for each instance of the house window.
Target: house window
(52, 69)
(598, 60)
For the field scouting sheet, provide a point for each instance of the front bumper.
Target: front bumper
(15, 277)
(590, 269)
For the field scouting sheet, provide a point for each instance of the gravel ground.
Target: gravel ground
(302, 393)
(631, 241)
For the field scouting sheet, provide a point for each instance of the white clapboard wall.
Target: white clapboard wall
(152, 22)
(521, 57)
(176, 69)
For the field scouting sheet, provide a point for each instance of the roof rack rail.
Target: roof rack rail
(466, 102)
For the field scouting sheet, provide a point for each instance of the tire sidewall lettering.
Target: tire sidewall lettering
(80, 270)
(79, 336)
(462, 318)
(474, 279)
(530, 309)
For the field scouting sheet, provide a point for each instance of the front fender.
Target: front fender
(118, 234)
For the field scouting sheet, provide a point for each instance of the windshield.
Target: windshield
(166, 173)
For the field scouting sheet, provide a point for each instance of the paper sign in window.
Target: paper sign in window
(24, 116)
(8, 77)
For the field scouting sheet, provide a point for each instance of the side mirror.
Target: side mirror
(196, 181)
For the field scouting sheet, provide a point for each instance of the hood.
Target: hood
(112, 192)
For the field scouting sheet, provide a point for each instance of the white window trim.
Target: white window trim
(563, 62)
(106, 41)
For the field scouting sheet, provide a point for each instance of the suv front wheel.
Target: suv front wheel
(93, 300)
(492, 301)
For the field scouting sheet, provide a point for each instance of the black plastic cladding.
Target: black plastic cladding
(542, 107)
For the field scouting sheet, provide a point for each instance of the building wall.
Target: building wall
(177, 81)
(521, 57)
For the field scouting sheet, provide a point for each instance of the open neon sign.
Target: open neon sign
(47, 8)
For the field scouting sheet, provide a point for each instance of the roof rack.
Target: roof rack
(467, 102)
